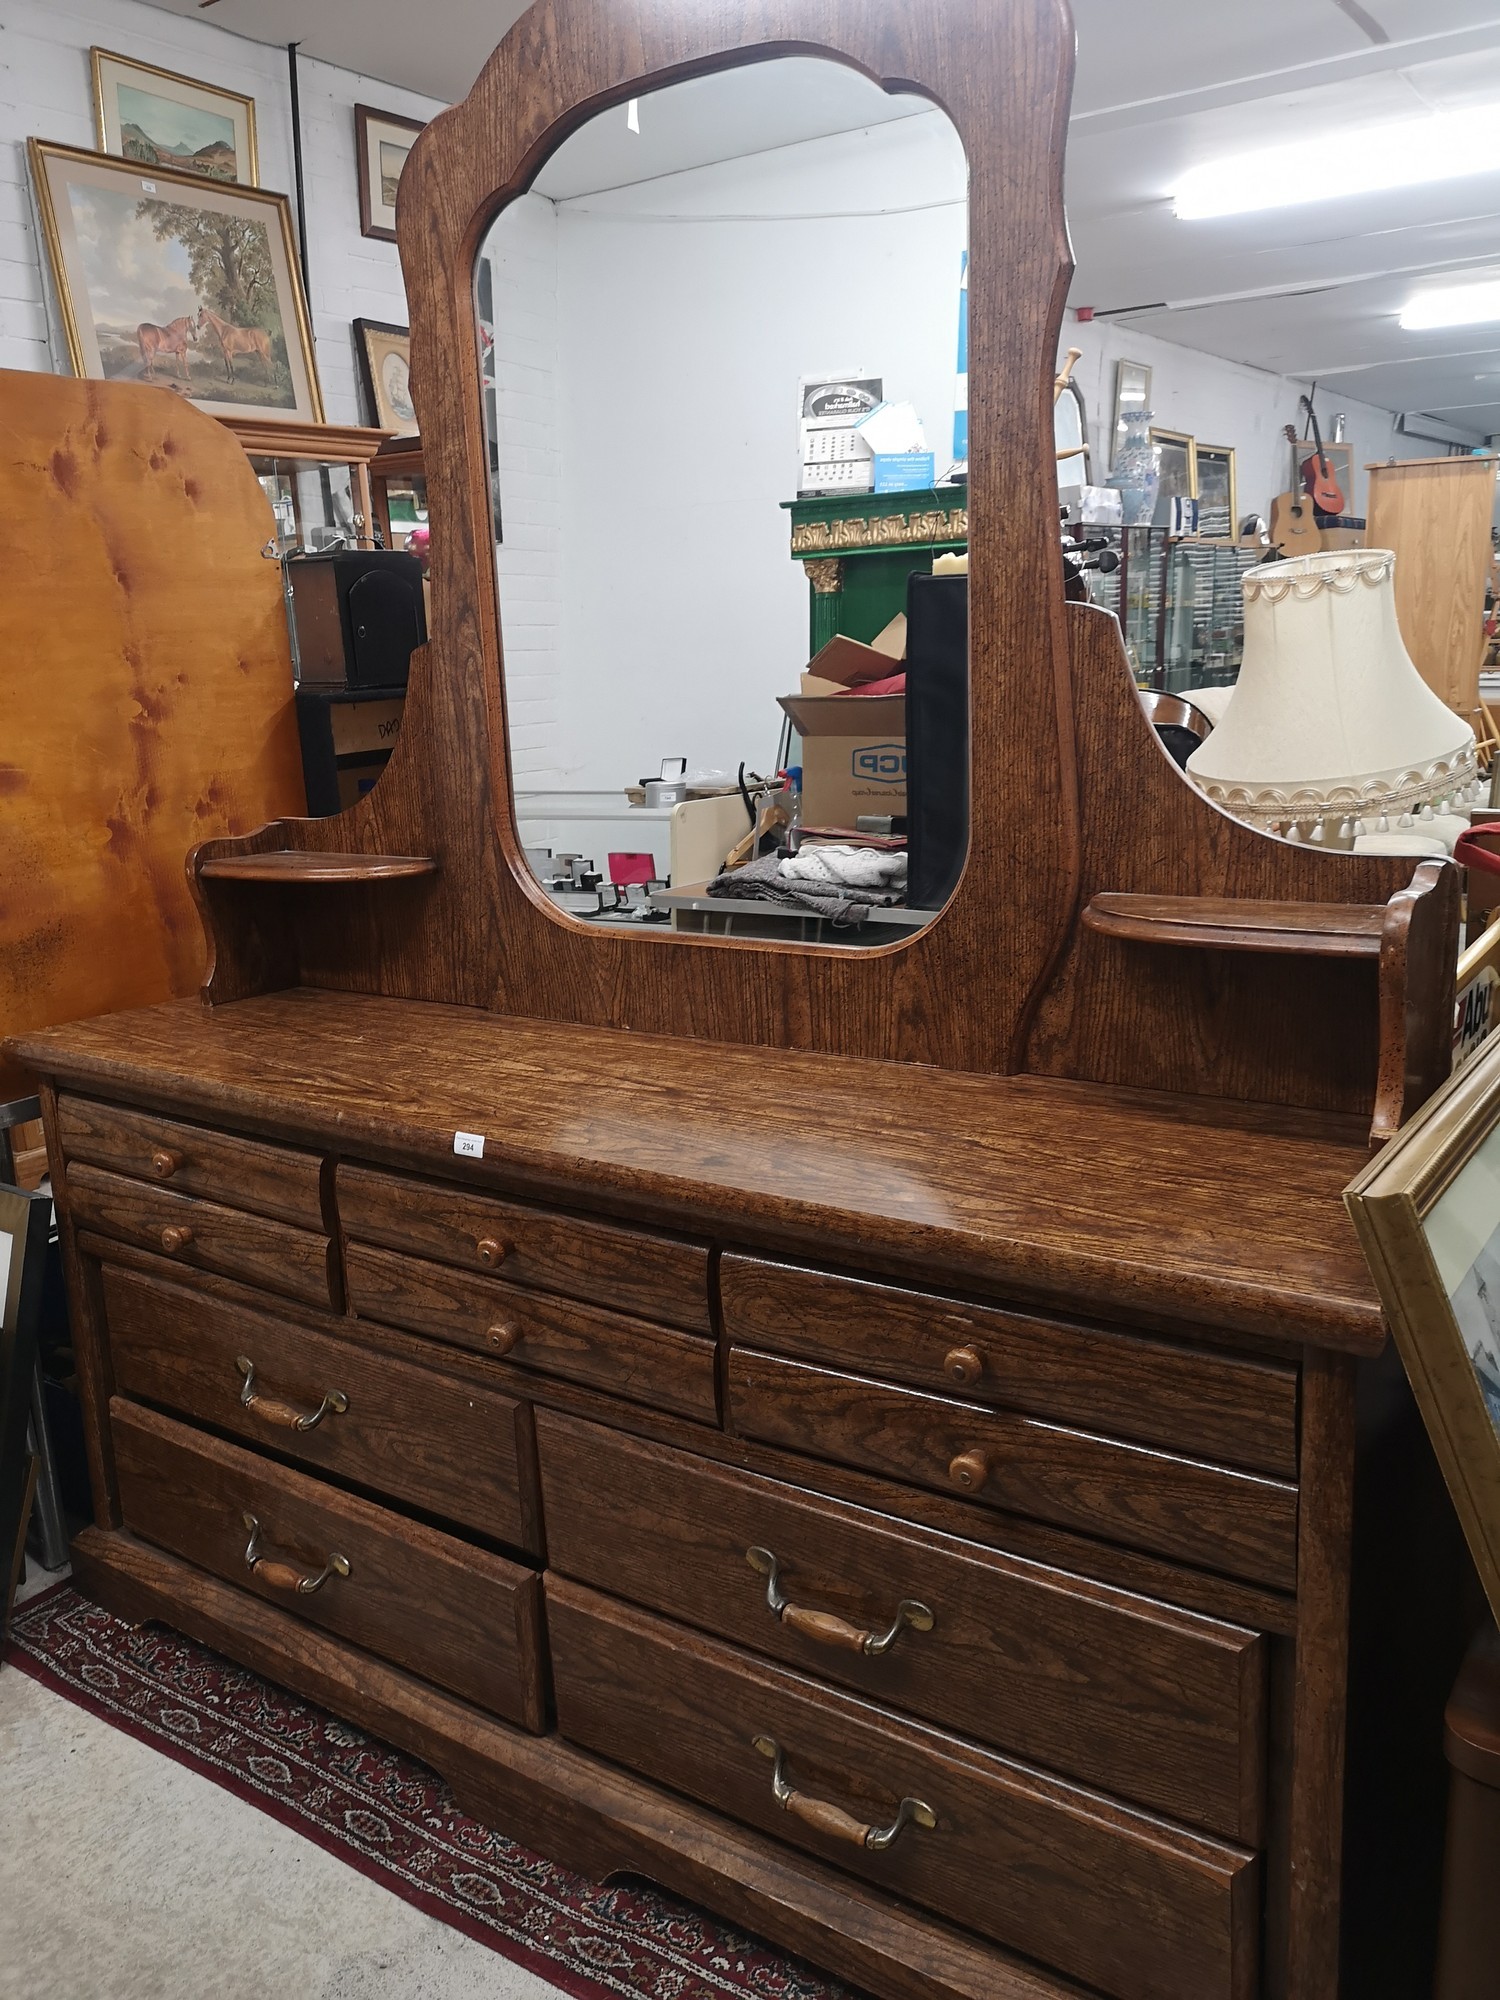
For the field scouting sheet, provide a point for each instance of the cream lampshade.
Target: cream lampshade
(1332, 732)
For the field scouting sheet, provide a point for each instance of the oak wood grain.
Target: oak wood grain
(1238, 1522)
(1031, 1190)
(205, 1233)
(630, 1357)
(563, 1802)
(1118, 1899)
(279, 1181)
(1243, 1412)
(1248, 1024)
(661, 1276)
(1224, 1599)
(299, 869)
(463, 1618)
(1153, 1705)
(1224, 923)
(410, 1434)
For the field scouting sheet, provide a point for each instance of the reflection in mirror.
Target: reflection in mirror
(722, 342)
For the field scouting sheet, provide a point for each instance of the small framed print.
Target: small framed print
(383, 141)
(1132, 394)
(385, 370)
(1218, 492)
(160, 119)
(1427, 1211)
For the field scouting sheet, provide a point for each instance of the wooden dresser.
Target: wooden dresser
(896, 1444)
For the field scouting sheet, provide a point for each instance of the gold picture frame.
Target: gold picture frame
(1218, 495)
(1178, 459)
(384, 354)
(1427, 1212)
(248, 347)
(214, 129)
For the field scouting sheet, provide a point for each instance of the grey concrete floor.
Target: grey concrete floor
(125, 1876)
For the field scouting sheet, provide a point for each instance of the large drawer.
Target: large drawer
(1158, 1706)
(244, 1173)
(1118, 1899)
(634, 1270)
(447, 1447)
(1241, 1523)
(1212, 1405)
(454, 1614)
(203, 1233)
(629, 1357)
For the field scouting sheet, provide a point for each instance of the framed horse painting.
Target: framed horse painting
(167, 277)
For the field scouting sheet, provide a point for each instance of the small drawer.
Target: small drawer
(628, 1357)
(242, 1173)
(1155, 1705)
(1240, 1523)
(202, 1233)
(456, 1615)
(1126, 1902)
(633, 1270)
(1214, 1405)
(414, 1434)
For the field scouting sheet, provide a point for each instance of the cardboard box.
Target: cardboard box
(853, 755)
(853, 746)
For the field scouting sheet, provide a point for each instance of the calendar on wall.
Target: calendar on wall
(835, 459)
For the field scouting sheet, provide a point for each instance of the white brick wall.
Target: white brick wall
(45, 93)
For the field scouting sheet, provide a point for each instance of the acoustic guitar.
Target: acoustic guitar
(1294, 526)
(1318, 478)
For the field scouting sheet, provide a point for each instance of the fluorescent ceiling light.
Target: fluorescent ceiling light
(1408, 153)
(1453, 305)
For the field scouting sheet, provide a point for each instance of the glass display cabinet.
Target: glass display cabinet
(316, 477)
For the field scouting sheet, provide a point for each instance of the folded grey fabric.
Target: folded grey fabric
(845, 905)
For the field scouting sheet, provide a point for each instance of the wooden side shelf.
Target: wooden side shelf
(292, 867)
(1315, 930)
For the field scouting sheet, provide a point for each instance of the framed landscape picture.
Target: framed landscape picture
(1427, 1210)
(382, 141)
(172, 278)
(385, 370)
(160, 119)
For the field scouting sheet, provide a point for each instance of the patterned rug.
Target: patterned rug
(391, 1817)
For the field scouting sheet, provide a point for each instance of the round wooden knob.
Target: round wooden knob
(502, 1338)
(963, 1364)
(490, 1252)
(165, 1164)
(176, 1236)
(969, 1470)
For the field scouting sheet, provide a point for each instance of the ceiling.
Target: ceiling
(1312, 291)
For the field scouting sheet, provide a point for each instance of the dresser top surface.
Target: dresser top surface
(1066, 1194)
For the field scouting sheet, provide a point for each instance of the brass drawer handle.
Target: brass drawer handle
(964, 1365)
(176, 1236)
(274, 1411)
(490, 1250)
(824, 1626)
(281, 1576)
(833, 1820)
(502, 1337)
(969, 1470)
(165, 1164)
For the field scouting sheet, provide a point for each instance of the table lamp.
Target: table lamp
(1332, 733)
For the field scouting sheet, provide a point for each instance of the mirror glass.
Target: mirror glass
(722, 348)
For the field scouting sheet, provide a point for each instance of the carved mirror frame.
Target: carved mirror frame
(425, 892)
(1003, 74)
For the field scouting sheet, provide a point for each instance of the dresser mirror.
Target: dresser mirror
(712, 299)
